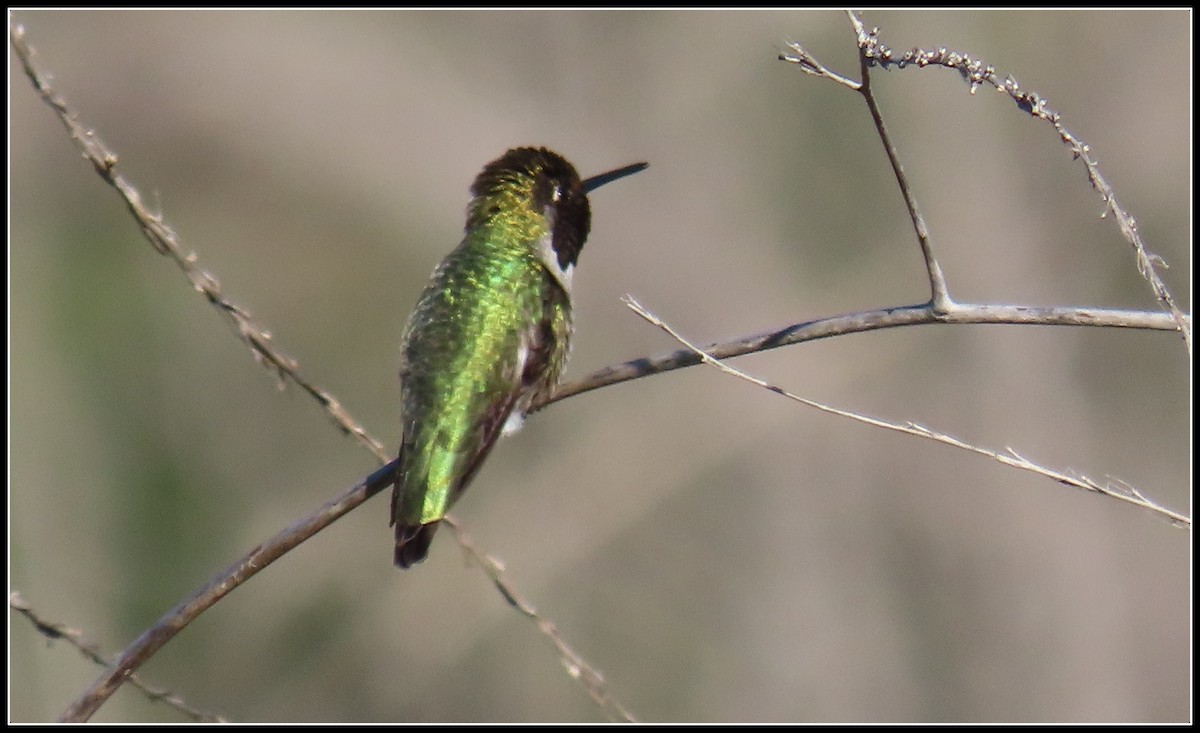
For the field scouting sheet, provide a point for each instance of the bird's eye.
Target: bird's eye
(556, 194)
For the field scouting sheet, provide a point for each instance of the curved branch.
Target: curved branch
(173, 621)
(237, 573)
(1124, 492)
(912, 315)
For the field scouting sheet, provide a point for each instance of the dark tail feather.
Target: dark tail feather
(412, 543)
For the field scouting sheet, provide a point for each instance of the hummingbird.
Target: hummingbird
(490, 333)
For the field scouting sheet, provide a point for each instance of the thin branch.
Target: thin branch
(976, 73)
(74, 637)
(166, 242)
(577, 667)
(913, 315)
(939, 293)
(1124, 493)
(173, 621)
(810, 65)
(221, 585)
(592, 680)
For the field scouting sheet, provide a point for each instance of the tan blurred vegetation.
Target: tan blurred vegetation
(721, 554)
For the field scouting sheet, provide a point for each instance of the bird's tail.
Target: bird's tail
(412, 543)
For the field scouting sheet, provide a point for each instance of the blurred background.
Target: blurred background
(719, 553)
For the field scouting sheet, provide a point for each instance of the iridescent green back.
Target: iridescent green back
(462, 351)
